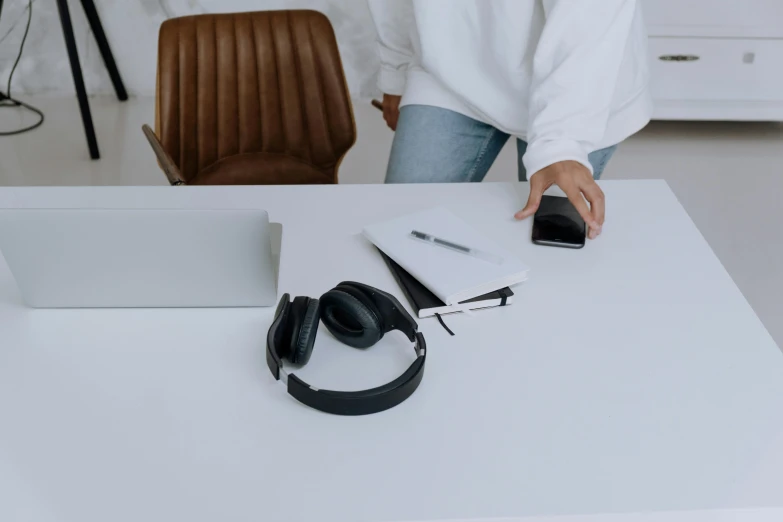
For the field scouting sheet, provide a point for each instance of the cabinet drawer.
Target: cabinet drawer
(717, 69)
(718, 18)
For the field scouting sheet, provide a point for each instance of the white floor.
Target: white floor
(729, 176)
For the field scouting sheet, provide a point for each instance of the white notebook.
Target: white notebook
(452, 276)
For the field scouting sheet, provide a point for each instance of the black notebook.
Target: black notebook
(426, 304)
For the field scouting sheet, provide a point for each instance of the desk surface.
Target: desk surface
(629, 377)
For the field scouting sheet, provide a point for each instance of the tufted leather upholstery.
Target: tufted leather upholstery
(253, 98)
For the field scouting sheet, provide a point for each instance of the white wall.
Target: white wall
(132, 28)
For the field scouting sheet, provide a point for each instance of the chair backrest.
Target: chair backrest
(253, 98)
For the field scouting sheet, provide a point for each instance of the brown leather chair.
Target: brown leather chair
(251, 99)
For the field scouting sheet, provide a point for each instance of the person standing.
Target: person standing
(567, 78)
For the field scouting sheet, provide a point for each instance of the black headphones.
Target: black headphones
(357, 315)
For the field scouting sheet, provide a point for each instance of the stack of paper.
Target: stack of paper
(454, 277)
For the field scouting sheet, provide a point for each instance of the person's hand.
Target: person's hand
(576, 181)
(391, 110)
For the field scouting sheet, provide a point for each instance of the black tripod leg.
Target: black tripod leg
(2, 96)
(103, 45)
(78, 79)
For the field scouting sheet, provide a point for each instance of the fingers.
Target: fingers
(574, 194)
(533, 203)
(395, 118)
(590, 191)
(595, 196)
(578, 185)
(391, 115)
(391, 110)
(538, 186)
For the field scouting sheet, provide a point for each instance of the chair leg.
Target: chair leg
(78, 79)
(103, 45)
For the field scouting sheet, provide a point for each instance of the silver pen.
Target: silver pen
(462, 249)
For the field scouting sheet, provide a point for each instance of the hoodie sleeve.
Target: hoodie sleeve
(575, 71)
(394, 21)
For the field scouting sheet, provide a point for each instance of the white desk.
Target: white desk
(630, 377)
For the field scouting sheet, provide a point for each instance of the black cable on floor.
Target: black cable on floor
(6, 100)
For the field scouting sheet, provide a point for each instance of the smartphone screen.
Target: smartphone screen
(558, 223)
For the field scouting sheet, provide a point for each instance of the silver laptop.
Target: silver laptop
(140, 258)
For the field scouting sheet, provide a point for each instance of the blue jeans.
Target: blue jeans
(434, 145)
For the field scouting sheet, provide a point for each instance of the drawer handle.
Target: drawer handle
(680, 58)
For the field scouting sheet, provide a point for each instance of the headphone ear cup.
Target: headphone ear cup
(282, 334)
(349, 318)
(366, 300)
(305, 315)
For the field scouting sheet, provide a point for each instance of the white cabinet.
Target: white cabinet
(716, 59)
(715, 18)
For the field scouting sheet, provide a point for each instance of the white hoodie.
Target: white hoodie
(568, 76)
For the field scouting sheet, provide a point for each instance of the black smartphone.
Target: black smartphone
(558, 224)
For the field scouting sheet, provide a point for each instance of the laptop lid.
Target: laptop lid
(80, 258)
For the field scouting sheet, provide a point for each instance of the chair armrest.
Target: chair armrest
(164, 160)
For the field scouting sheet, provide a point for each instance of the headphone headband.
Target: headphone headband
(360, 402)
